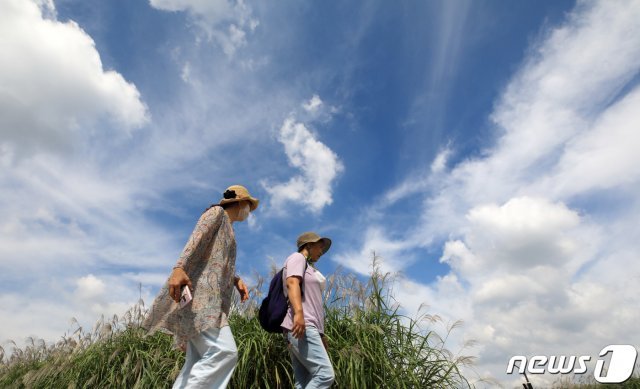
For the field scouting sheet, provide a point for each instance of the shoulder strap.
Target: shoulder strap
(284, 283)
(303, 274)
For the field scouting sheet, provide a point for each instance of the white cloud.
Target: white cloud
(66, 212)
(319, 166)
(521, 234)
(604, 157)
(440, 161)
(540, 230)
(56, 94)
(392, 254)
(253, 223)
(90, 287)
(313, 104)
(213, 10)
(50, 315)
(418, 182)
(316, 110)
(93, 208)
(48, 8)
(53, 82)
(186, 72)
(227, 22)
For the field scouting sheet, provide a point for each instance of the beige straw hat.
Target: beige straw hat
(312, 237)
(236, 193)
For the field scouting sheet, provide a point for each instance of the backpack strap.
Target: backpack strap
(302, 282)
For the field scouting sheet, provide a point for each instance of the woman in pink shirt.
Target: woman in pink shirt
(304, 322)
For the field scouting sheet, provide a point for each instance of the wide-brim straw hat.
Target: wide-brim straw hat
(236, 193)
(312, 237)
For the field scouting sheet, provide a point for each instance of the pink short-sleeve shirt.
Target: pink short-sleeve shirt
(312, 304)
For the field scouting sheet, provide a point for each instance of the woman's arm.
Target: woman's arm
(242, 288)
(295, 299)
(206, 228)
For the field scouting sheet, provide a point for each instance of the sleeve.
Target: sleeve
(295, 265)
(206, 228)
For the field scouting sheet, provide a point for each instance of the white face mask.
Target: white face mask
(243, 212)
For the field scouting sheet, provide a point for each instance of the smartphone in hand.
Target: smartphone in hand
(185, 296)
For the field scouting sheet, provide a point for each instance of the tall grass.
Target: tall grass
(371, 345)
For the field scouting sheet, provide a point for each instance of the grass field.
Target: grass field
(371, 345)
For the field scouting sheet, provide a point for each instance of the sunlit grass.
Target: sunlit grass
(371, 345)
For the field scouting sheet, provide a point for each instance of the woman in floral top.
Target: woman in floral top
(207, 268)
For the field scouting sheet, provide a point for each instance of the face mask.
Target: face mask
(243, 212)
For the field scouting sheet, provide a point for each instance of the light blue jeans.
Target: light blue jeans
(210, 360)
(311, 364)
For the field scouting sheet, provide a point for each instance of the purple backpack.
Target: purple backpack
(274, 307)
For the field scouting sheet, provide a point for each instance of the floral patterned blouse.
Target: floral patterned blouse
(209, 259)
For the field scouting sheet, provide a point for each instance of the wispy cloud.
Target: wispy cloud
(81, 180)
(313, 105)
(533, 231)
(445, 40)
(85, 211)
(225, 22)
(531, 227)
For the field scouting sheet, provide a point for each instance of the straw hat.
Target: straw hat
(312, 237)
(236, 193)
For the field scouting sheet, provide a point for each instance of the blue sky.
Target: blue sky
(485, 150)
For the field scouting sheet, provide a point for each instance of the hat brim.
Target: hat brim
(253, 202)
(325, 241)
(327, 245)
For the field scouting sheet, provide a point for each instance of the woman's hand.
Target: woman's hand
(324, 342)
(242, 289)
(298, 325)
(176, 280)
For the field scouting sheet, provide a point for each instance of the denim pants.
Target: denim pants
(210, 360)
(311, 365)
